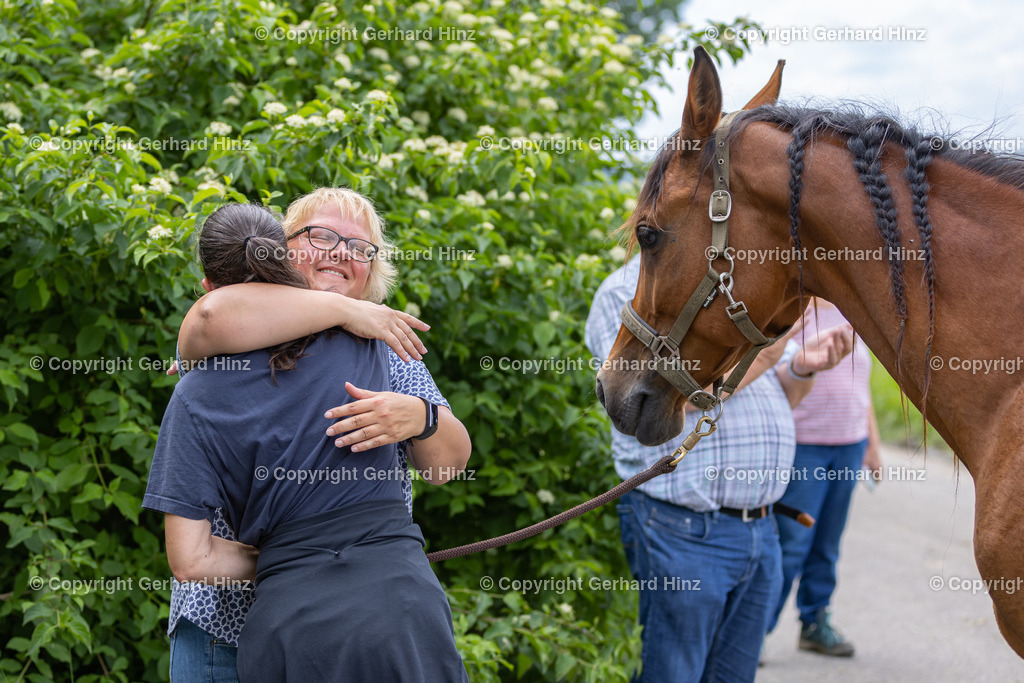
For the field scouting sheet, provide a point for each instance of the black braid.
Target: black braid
(796, 151)
(919, 156)
(867, 150)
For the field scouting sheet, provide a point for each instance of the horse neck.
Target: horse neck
(977, 304)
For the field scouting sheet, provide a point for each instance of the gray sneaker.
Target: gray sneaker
(822, 638)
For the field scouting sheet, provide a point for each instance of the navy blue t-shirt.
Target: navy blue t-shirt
(231, 438)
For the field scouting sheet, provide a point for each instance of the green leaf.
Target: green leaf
(89, 340)
(22, 277)
(204, 194)
(23, 432)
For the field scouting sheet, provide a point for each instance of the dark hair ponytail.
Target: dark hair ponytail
(246, 243)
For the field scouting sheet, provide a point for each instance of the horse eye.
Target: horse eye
(646, 236)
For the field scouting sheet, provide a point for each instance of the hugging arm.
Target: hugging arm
(377, 418)
(256, 315)
(194, 554)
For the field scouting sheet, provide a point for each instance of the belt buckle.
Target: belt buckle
(748, 517)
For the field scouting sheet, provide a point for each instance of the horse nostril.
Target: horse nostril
(600, 392)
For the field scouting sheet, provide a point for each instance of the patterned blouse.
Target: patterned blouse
(221, 611)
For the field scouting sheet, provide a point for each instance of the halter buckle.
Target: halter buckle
(736, 306)
(704, 401)
(720, 206)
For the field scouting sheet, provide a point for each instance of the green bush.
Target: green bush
(123, 124)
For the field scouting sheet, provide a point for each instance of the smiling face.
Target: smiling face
(335, 270)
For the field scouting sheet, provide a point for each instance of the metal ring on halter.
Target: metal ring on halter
(727, 257)
(718, 416)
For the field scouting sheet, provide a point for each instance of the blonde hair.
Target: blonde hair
(354, 206)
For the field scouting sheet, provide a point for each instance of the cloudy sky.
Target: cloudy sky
(969, 66)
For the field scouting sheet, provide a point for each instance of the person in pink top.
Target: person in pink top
(836, 434)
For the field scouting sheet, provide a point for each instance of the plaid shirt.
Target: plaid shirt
(745, 464)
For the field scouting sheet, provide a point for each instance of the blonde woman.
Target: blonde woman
(334, 236)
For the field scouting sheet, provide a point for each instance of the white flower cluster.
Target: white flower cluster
(460, 48)
(15, 127)
(452, 7)
(212, 184)
(472, 198)
(343, 59)
(160, 185)
(547, 104)
(274, 108)
(218, 128)
(159, 232)
(417, 193)
(414, 145)
(388, 161)
(10, 111)
(520, 78)
(108, 74)
(504, 38)
(377, 96)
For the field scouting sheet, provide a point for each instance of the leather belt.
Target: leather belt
(748, 514)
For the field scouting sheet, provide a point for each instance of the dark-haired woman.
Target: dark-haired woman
(343, 588)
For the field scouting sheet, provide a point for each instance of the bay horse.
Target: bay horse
(843, 205)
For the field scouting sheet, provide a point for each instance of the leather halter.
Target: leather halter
(666, 347)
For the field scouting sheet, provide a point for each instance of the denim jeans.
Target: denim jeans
(708, 584)
(811, 554)
(198, 657)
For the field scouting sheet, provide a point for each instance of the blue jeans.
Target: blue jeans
(198, 657)
(824, 493)
(708, 588)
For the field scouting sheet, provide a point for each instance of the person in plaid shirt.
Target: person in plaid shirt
(702, 540)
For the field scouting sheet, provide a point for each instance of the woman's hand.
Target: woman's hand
(376, 418)
(395, 328)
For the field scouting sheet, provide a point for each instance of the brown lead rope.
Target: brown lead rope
(705, 426)
(663, 466)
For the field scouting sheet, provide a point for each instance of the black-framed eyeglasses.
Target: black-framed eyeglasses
(326, 239)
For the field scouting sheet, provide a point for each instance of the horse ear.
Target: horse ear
(770, 92)
(703, 106)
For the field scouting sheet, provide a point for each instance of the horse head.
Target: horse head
(672, 228)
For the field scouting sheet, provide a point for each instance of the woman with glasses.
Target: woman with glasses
(333, 238)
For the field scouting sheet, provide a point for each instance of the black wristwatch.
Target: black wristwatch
(431, 427)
